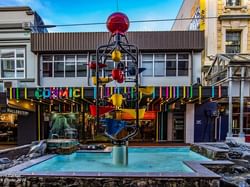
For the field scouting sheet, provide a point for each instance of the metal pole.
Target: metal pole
(39, 122)
(230, 104)
(192, 68)
(137, 89)
(97, 90)
(215, 129)
(219, 127)
(242, 134)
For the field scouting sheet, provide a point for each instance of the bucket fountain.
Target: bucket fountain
(117, 46)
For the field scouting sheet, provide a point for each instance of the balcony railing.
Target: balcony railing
(219, 71)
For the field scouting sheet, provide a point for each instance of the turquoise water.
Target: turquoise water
(140, 160)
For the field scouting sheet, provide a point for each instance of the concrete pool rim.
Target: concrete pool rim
(200, 171)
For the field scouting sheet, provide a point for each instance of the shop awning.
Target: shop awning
(169, 92)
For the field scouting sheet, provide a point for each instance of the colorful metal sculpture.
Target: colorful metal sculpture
(118, 45)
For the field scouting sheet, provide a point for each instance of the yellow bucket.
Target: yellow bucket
(117, 100)
(116, 55)
(103, 80)
(132, 112)
(147, 90)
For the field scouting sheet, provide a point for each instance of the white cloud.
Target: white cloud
(37, 4)
(51, 17)
(40, 6)
(151, 26)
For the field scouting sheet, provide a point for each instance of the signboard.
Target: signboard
(202, 14)
(16, 111)
(198, 21)
(198, 122)
(54, 93)
(195, 23)
(46, 93)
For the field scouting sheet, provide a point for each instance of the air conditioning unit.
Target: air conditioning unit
(26, 25)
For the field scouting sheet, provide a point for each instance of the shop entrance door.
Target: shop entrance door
(178, 126)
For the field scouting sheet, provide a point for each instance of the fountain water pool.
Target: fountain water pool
(140, 160)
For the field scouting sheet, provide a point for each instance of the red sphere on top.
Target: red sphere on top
(117, 23)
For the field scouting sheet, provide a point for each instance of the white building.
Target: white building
(18, 64)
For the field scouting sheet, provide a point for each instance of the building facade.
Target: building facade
(172, 67)
(63, 62)
(49, 83)
(18, 68)
(226, 24)
(18, 63)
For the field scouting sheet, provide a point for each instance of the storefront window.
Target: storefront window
(236, 118)
(8, 128)
(64, 125)
(12, 63)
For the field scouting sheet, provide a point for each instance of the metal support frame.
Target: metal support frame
(230, 104)
(102, 54)
(242, 134)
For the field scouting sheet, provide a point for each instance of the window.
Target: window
(171, 65)
(81, 65)
(130, 66)
(183, 64)
(126, 62)
(70, 66)
(47, 66)
(147, 62)
(159, 66)
(59, 66)
(233, 39)
(12, 63)
(233, 2)
(110, 66)
(93, 60)
(64, 65)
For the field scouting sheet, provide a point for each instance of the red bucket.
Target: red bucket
(102, 110)
(121, 79)
(116, 74)
(92, 65)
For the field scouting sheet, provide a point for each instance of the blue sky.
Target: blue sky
(88, 11)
